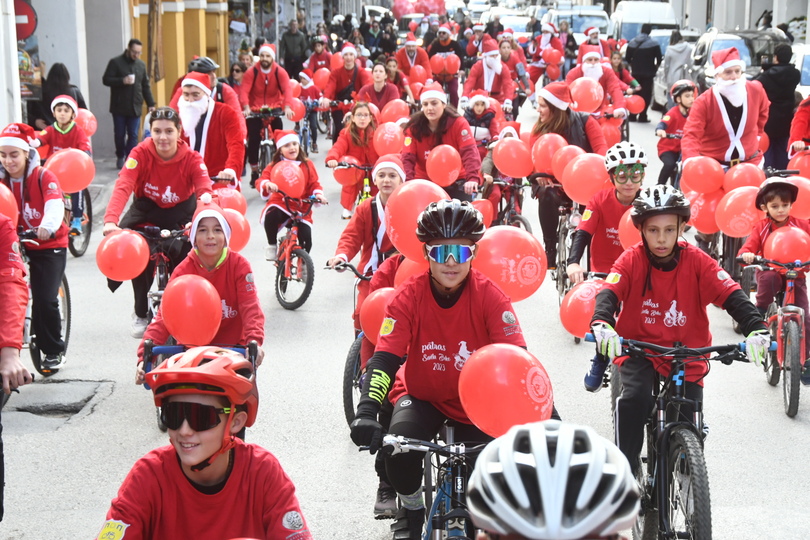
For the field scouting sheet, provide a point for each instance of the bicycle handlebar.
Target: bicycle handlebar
(347, 165)
(760, 262)
(726, 353)
(275, 112)
(151, 232)
(397, 444)
(341, 266)
(771, 172)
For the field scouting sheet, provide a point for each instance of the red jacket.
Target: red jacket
(459, 136)
(310, 92)
(340, 78)
(503, 87)
(344, 146)
(610, 84)
(318, 61)
(537, 51)
(674, 122)
(404, 62)
(74, 137)
(358, 236)
(13, 288)
(800, 126)
(222, 146)
(707, 134)
(389, 92)
(763, 228)
(313, 187)
(166, 183)
(261, 89)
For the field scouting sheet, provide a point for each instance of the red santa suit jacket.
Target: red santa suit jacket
(344, 146)
(230, 97)
(271, 89)
(708, 131)
(610, 84)
(222, 145)
(340, 78)
(389, 92)
(800, 126)
(503, 87)
(312, 187)
(358, 236)
(459, 136)
(405, 63)
(537, 51)
(74, 137)
(13, 288)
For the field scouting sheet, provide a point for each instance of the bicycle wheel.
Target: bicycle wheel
(520, 222)
(792, 368)
(323, 122)
(265, 157)
(63, 302)
(562, 257)
(646, 526)
(78, 244)
(352, 380)
(771, 365)
(688, 504)
(293, 289)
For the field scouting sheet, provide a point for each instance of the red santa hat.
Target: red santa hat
(306, 73)
(65, 100)
(591, 54)
(433, 91)
(510, 128)
(389, 161)
(410, 39)
(508, 34)
(468, 32)
(17, 135)
(200, 80)
(479, 95)
(268, 48)
(726, 58)
(557, 94)
(478, 26)
(489, 47)
(285, 136)
(206, 208)
(445, 28)
(590, 30)
(549, 27)
(349, 48)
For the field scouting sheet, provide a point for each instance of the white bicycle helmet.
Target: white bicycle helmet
(660, 199)
(624, 153)
(553, 480)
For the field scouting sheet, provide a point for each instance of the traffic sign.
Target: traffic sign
(25, 18)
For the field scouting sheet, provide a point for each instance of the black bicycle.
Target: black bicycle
(267, 146)
(510, 204)
(78, 242)
(162, 242)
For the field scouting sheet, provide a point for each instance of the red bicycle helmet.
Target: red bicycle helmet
(681, 86)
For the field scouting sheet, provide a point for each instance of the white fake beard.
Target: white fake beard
(190, 113)
(592, 71)
(734, 91)
(545, 40)
(594, 40)
(493, 63)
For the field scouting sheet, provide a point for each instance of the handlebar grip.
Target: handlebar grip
(590, 338)
(771, 348)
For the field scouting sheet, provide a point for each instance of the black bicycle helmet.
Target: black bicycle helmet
(681, 86)
(450, 219)
(202, 64)
(659, 200)
(773, 183)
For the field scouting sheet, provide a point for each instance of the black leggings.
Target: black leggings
(549, 200)
(254, 136)
(276, 218)
(47, 266)
(669, 167)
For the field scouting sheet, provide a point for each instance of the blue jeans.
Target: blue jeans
(126, 133)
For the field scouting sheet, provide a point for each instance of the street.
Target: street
(62, 470)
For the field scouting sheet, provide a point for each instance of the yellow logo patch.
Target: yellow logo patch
(665, 118)
(113, 530)
(408, 141)
(131, 163)
(387, 327)
(613, 278)
(587, 215)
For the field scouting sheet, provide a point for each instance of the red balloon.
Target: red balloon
(289, 178)
(635, 104)
(240, 229)
(702, 174)
(787, 244)
(587, 93)
(418, 74)
(408, 268)
(736, 212)
(704, 207)
(551, 56)
(801, 208)
(44, 151)
(512, 157)
(503, 385)
(584, 176)
(437, 64)
(388, 139)
(612, 134)
(526, 137)
(487, 210)
(764, 142)
(394, 110)
(349, 176)
(801, 161)
(8, 205)
(404, 206)
(372, 312)
(744, 174)
(563, 157)
(321, 77)
(629, 235)
(416, 89)
(544, 149)
(337, 61)
(374, 111)
(553, 72)
(613, 121)
(73, 168)
(443, 165)
(298, 109)
(231, 198)
(87, 121)
(514, 259)
(295, 86)
(452, 64)
(122, 255)
(192, 309)
(576, 308)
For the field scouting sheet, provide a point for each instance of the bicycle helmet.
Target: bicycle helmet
(658, 200)
(681, 86)
(553, 480)
(203, 64)
(320, 38)
(775, 183)
(624, 153)
(450, 219)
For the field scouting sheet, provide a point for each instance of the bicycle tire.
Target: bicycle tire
(562, 257)
(771, 364)
(686, 460)
(615, 390)
(791, 380)
(646, 525)
(520, 222)
(351, 380)
(78, 244)
(323, 125)
(63, 301)
(265, 157)
(301, 264)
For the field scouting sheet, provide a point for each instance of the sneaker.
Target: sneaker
(254, 175)
(551, 258)
(595, 375)
(76, 226)
(347, 214)
(408, 524)
(119, 163)
(270, 252)
(139, 325)
(52, 362)
(385, 507)
(806, 373)
(314, 148)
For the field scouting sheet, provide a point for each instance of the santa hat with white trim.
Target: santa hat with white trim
(65, 100)
(410, 39)
(468, 32)
(306, 74)
(510, 128)
(479, 95)
(285, 136)
(268, 48)
(591, 54)
(349, 48)
(478, 26)
(489, 47)
(726, 58)
(207, 208)
(590, 30)
(508, 34)
(557, 94)
(433, 91)
(17, 135)
(200, 80)
(389, 161)
(549, 27)
(445, 28)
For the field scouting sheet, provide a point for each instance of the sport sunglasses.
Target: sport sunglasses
(200, 417)
(461, 253)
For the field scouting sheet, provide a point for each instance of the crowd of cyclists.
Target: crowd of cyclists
(211, 136)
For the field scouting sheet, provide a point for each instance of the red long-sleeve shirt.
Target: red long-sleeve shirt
(312, 187)
(458, 135)
(673, 122)
(13, 288)
(389, 92)
(341, 78)
(271, 89)
(74, 137)
(344, 146)
(763, 228)
(317, 61)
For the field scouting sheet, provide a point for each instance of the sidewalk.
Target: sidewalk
(102, 186)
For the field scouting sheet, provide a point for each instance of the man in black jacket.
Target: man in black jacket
(779, 80)
(129, 87)
(644, 56)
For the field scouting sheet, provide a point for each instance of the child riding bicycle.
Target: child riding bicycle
(684, 93)
(776, 197)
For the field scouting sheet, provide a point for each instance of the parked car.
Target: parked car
(502, 12)
(628, 17)
(579, 18)
(801, 59)
(518, 25)
(660, 89)
(537, 11)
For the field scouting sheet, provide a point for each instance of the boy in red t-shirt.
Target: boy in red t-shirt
(207, 483)
(684, 93)
(664, 287)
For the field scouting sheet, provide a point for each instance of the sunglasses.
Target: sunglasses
(164, 114)
(237, 71)
(200, 417)
(461, 253)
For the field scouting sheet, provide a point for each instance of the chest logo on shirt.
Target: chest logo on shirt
(169, 196)
(131, 163)
(673, 317)
(613, 278)
(292, 521)
(228, 312)
(462, 355)
(113, 530)
(31, 213)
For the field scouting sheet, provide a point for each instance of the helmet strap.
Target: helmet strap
(228, 442)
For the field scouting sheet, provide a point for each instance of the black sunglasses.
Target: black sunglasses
(164, 113)
(237, 71)
(200, 417)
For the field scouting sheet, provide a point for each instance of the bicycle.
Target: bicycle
(267, 146)
(5, 397)
(675, 501)
(624, 127)
(295, 272)
(63, 300)
(160, 243)
(786, 324)
(306, 129)
(77, 243)
(509, 206)
(365, 193)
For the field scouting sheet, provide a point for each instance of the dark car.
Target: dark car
(755, 47)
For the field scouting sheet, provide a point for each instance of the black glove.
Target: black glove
(367, 432)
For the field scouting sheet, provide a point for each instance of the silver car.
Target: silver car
(660, 95)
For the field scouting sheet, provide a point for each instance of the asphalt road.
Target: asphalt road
(62, 470)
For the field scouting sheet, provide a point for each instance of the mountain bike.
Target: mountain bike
(161, 243)
(77, 243)
(509, 205)
(63, 300)
(786, 324)
(267, 147)
(295, 272)
(365, 193)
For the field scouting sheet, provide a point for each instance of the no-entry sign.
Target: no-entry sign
(26, 19)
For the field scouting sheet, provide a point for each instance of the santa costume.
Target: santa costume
(406, 61)
(601, 46)
(548, 39)
(491, 75)
(606, 77)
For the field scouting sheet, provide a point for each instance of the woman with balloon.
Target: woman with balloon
(355, 140)
(554, 102)
(40, 206)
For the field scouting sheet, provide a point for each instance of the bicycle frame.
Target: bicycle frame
(290, 240)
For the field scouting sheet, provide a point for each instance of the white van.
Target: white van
(628, 17)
